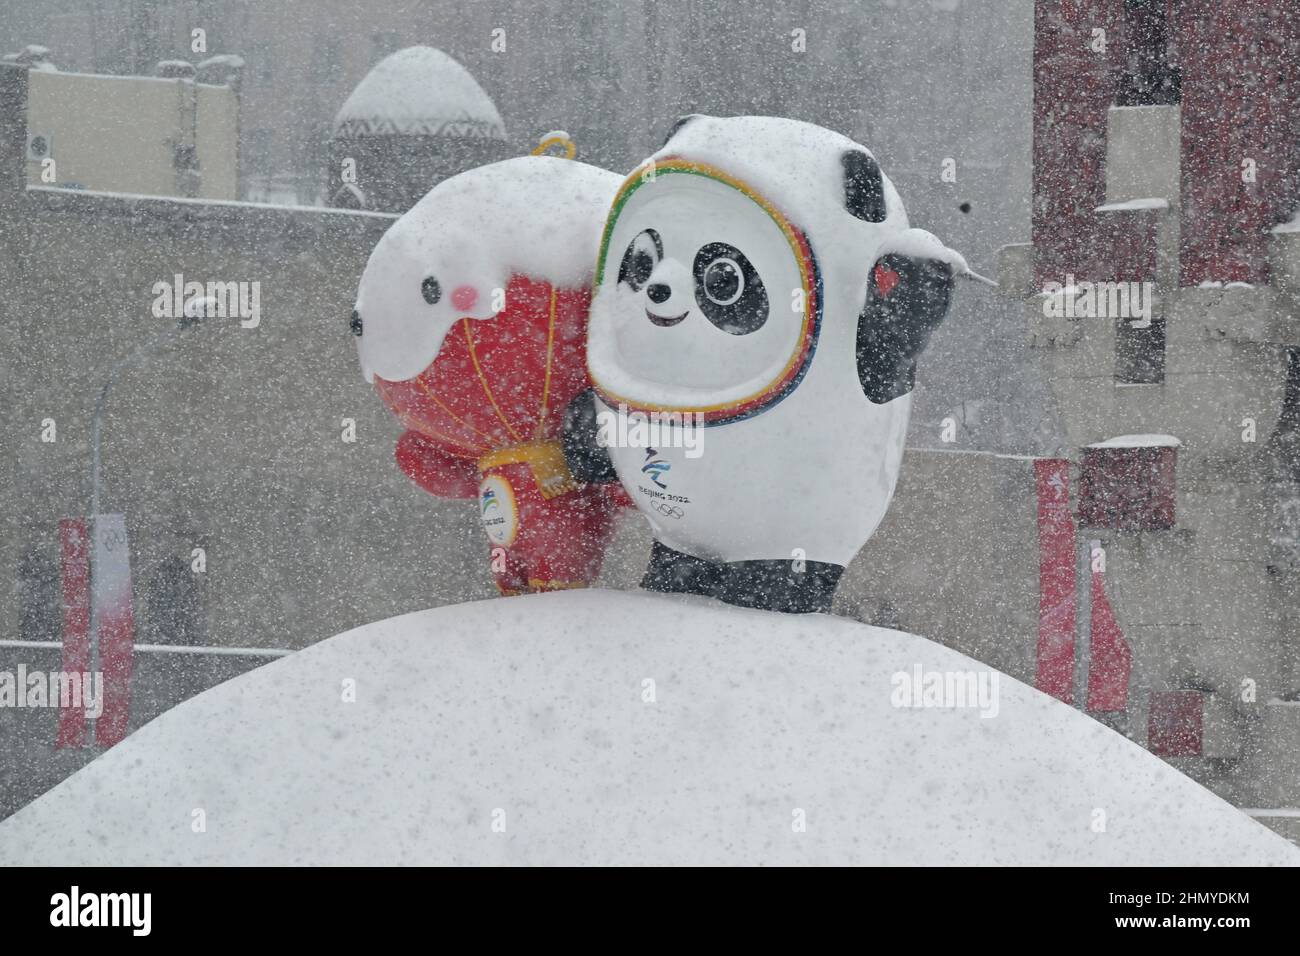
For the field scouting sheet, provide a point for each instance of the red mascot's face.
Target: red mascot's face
(472, 366)
(412, 293)
(471, 314)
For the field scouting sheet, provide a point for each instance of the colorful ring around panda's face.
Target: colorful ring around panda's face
(707, 298)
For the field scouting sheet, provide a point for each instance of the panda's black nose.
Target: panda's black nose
(659, 292)
(355, 324)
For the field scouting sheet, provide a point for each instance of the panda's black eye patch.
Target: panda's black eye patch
(728, 289)
(431, 291)
(643, 254)
(864, 187)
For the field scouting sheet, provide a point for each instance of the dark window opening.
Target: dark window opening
(1149, 77)
(1140, 352)
(1284, 443)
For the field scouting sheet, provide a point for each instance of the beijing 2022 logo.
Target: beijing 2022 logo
(655, 468)
(496, 505)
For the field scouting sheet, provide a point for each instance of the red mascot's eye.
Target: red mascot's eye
(886, 279)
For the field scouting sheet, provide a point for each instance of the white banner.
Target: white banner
(114, 626)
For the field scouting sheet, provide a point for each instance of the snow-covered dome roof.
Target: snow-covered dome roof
(419, 91)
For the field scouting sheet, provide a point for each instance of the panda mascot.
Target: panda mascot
(761, 298)
(471, 321)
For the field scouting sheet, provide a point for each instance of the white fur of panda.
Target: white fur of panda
(735, 268)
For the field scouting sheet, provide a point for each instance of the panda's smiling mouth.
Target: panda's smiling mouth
(665, 321)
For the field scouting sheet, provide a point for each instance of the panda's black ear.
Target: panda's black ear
(907, 299)
(864, 187)
(677, 127)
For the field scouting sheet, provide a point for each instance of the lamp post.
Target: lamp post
(194, 312)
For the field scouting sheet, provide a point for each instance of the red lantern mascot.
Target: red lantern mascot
(471, 320)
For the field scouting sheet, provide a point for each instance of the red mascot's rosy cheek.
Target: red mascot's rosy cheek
(463, 297)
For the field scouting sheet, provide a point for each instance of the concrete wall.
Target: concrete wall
(956, 557)
(222, 437)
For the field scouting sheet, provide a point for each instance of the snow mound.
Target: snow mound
(533, 714)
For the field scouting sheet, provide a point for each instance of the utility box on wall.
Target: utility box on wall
(1127, 483)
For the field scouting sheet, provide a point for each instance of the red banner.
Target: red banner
(1056, 579)
(1109, 658)
(75, 551)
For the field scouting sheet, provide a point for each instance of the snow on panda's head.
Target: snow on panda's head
(452, 254)
(714, 262)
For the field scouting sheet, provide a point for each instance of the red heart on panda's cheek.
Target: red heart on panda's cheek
(886, 279)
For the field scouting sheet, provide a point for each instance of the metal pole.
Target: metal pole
(94, 446)
(96, 430)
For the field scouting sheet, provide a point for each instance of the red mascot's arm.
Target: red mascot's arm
(440, 474)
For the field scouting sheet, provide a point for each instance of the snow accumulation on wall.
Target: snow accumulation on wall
(1134, 205)
(1291, 225)
(1139, 441)
(619, 727)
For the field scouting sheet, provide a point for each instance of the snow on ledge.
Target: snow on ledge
(1139, 441)
(74, 195)
(1293, 225)
(1218, 284)
(608, 727)
(1134, 205)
